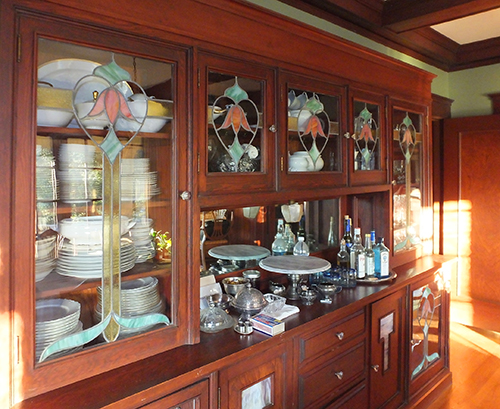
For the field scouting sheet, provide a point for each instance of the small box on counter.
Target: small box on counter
(268, 325)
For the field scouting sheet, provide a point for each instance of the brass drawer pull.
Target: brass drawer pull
(339, 374)
(340, 335)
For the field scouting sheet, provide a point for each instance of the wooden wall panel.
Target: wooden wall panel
(470, 197)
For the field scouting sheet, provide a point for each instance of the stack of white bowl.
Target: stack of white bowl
(47, 189)
(81, 253)
(137, 182)
(55, 319)
(138, 297)
(141, 236)
(46, 180)
(45, 257)
(79, 173)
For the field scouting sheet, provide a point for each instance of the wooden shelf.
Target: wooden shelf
(56, 285)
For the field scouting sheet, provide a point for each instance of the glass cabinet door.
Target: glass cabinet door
(238, 151)
(429, 330)
(367, 151)
(412, 222)
(314, 153)
(102, 179)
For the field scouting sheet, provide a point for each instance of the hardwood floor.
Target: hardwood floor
(474, 358)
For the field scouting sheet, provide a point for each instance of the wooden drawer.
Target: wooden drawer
(325, 382)
(356, 398)
(340, 333)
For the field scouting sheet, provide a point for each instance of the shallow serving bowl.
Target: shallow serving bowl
(46, 116)
(88, 230)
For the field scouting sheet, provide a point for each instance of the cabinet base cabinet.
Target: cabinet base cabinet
(387, 351)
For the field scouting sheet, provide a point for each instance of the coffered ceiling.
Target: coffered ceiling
(449, 34)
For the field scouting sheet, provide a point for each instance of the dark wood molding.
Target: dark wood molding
(441, 107)
(411, 33)
(405, 15)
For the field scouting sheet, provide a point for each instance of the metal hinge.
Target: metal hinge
(218, 398)
(19, 47)
(199, 78)
(199, 160)
(282, 163)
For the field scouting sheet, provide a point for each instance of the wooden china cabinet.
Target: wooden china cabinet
(136, 130)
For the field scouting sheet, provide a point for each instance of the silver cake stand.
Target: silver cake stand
(294, 267)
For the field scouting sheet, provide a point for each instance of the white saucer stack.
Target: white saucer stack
(140, 234)
(79, 173)
(138, 297)
(55, 319)
(137, 182)
(45, 257)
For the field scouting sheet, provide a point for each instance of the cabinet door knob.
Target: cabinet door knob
(347, 135)
(375, 367)
(339, 374)
(272, 128)
(186, 195)
(340, 335)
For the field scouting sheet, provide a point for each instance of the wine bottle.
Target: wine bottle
(347, 233)
(343, 256)
(332, 237)
(369, 257)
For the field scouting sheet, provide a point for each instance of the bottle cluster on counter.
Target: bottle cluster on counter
(368, 261)
(285, 241)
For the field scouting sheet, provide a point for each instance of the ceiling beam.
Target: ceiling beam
(406, 15)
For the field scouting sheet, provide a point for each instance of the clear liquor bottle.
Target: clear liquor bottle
(357, 255)
(278, 247)
(289, 239)
(369, 257)
(301, 248)
(384, 271)
(376, 251)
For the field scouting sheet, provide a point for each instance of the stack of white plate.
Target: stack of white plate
(46, 180)
(55, 319)
(138, 297)
(45, 257)
(79, 173)
(85, 260)
(140, 234)
(137, 182)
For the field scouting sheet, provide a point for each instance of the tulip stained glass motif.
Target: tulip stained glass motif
(236, 119)
(366, 138)
(107, 107)
(425, 315)
(313, 129)
(407, 137)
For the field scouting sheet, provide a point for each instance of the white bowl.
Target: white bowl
(141, 106)
(93, 122)
(88, 230)
(53, 117)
